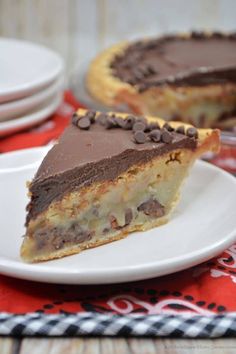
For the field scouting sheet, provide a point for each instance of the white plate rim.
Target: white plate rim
(42, 81)
(13, 125)
(148, 270)
(12, 108)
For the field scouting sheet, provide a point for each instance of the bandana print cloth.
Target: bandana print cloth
(198, 302)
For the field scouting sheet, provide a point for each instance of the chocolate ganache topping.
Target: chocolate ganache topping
(98, 147)
(184, 61)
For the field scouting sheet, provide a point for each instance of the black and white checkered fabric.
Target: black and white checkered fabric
(83, 324)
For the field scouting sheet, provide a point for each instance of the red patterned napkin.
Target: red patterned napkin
(205, 289)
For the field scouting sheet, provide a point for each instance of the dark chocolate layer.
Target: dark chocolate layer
(83, 157)
(195, 61)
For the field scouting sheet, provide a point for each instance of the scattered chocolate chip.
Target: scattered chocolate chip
(129, 121)
(151, 69)
(128, 216)
(120, 122)
(139, 137)
(197, 34)
(91, 116)
(168, 127)
(152, 208)
(84, 123)
(142, 119)
(138, 74)
(139, 126)
(155, 135)
(166, 136)
(181, 129)
(192, 132)
(102, 117)
(113, 117)
(110, 122)
(75, 118)
(153, 126)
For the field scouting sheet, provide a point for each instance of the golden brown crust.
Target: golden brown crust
(100, 81)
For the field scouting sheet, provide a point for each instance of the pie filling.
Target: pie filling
(136, 198)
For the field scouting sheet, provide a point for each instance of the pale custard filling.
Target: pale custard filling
(100, 211)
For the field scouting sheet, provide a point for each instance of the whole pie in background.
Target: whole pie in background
(190, 77)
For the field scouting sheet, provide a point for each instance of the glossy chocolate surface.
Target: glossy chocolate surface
(82, 157)
(194, 61)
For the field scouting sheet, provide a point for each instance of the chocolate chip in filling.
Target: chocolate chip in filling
(152, 208)
(128, 216)
(56, 238)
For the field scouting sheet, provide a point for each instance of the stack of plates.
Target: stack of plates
(31, 84)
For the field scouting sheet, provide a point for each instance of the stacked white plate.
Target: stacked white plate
(31, 84)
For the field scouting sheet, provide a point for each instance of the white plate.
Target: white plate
(25, 68)
(14, 109)
(202, 226)
(29, 120)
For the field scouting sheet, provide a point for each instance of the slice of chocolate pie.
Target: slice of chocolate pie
(191, 76)
(109, 175)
